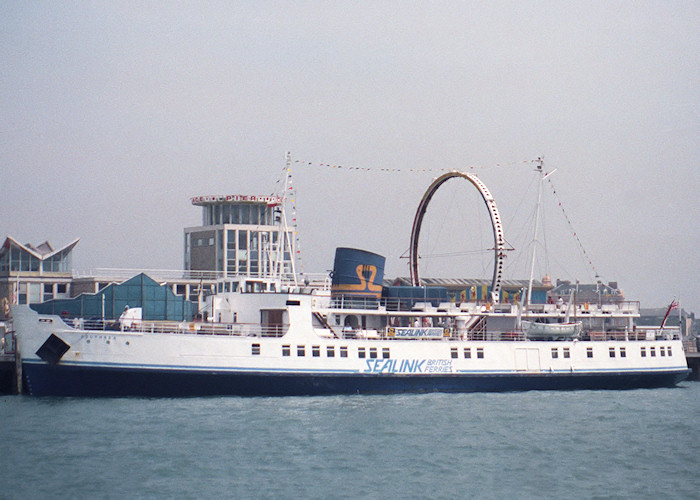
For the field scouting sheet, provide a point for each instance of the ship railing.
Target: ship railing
(350, 302)
(585, 308)
(372, 303)
(452, 335)
(189, 327)
(639, 334)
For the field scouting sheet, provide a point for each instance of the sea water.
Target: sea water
(579, 444)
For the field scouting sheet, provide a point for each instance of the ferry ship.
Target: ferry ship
(349, 333)
(272, 339)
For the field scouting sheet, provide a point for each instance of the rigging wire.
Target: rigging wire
(581, 248)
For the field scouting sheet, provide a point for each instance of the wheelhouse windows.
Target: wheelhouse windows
(285, 350)
(255, 349)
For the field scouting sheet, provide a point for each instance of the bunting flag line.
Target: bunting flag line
(414, 170)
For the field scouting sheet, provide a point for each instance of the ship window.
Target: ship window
(315, 351)
(301, 350)
(668, 349)
(285, 350)
(467, 352)
(385, 353)
(644, 352)
(623, 353)
(612, 352)
(652, 351)
(480, 352)
(361, 352)
(255, 349)
(454, 353)
(567, 354)
(589, 352)
(662, 351)
(555, 353)
(373, 352)
(343, 352)
(330, 351)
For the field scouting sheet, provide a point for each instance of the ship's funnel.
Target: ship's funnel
(358, 273)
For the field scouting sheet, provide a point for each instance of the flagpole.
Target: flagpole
(672, 305)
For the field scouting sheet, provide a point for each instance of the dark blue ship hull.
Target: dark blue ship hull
(42, 379)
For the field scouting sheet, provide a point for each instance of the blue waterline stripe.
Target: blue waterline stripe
(189, 367)
(589, 370)
(338, 371)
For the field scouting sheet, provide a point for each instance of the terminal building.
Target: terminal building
(33, 274)
(241, 235)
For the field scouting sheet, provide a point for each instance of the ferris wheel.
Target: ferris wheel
(498, 238)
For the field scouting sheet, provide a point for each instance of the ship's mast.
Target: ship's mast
(543, 176)
(283, 239)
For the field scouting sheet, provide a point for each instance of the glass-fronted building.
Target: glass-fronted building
(240, 235)
(32, 274)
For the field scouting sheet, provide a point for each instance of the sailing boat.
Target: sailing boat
(541, 329)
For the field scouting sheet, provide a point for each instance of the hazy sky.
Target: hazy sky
(113, 114)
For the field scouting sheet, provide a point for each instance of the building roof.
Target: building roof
(42, 251)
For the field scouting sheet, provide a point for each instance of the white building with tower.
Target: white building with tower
(241, 235)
